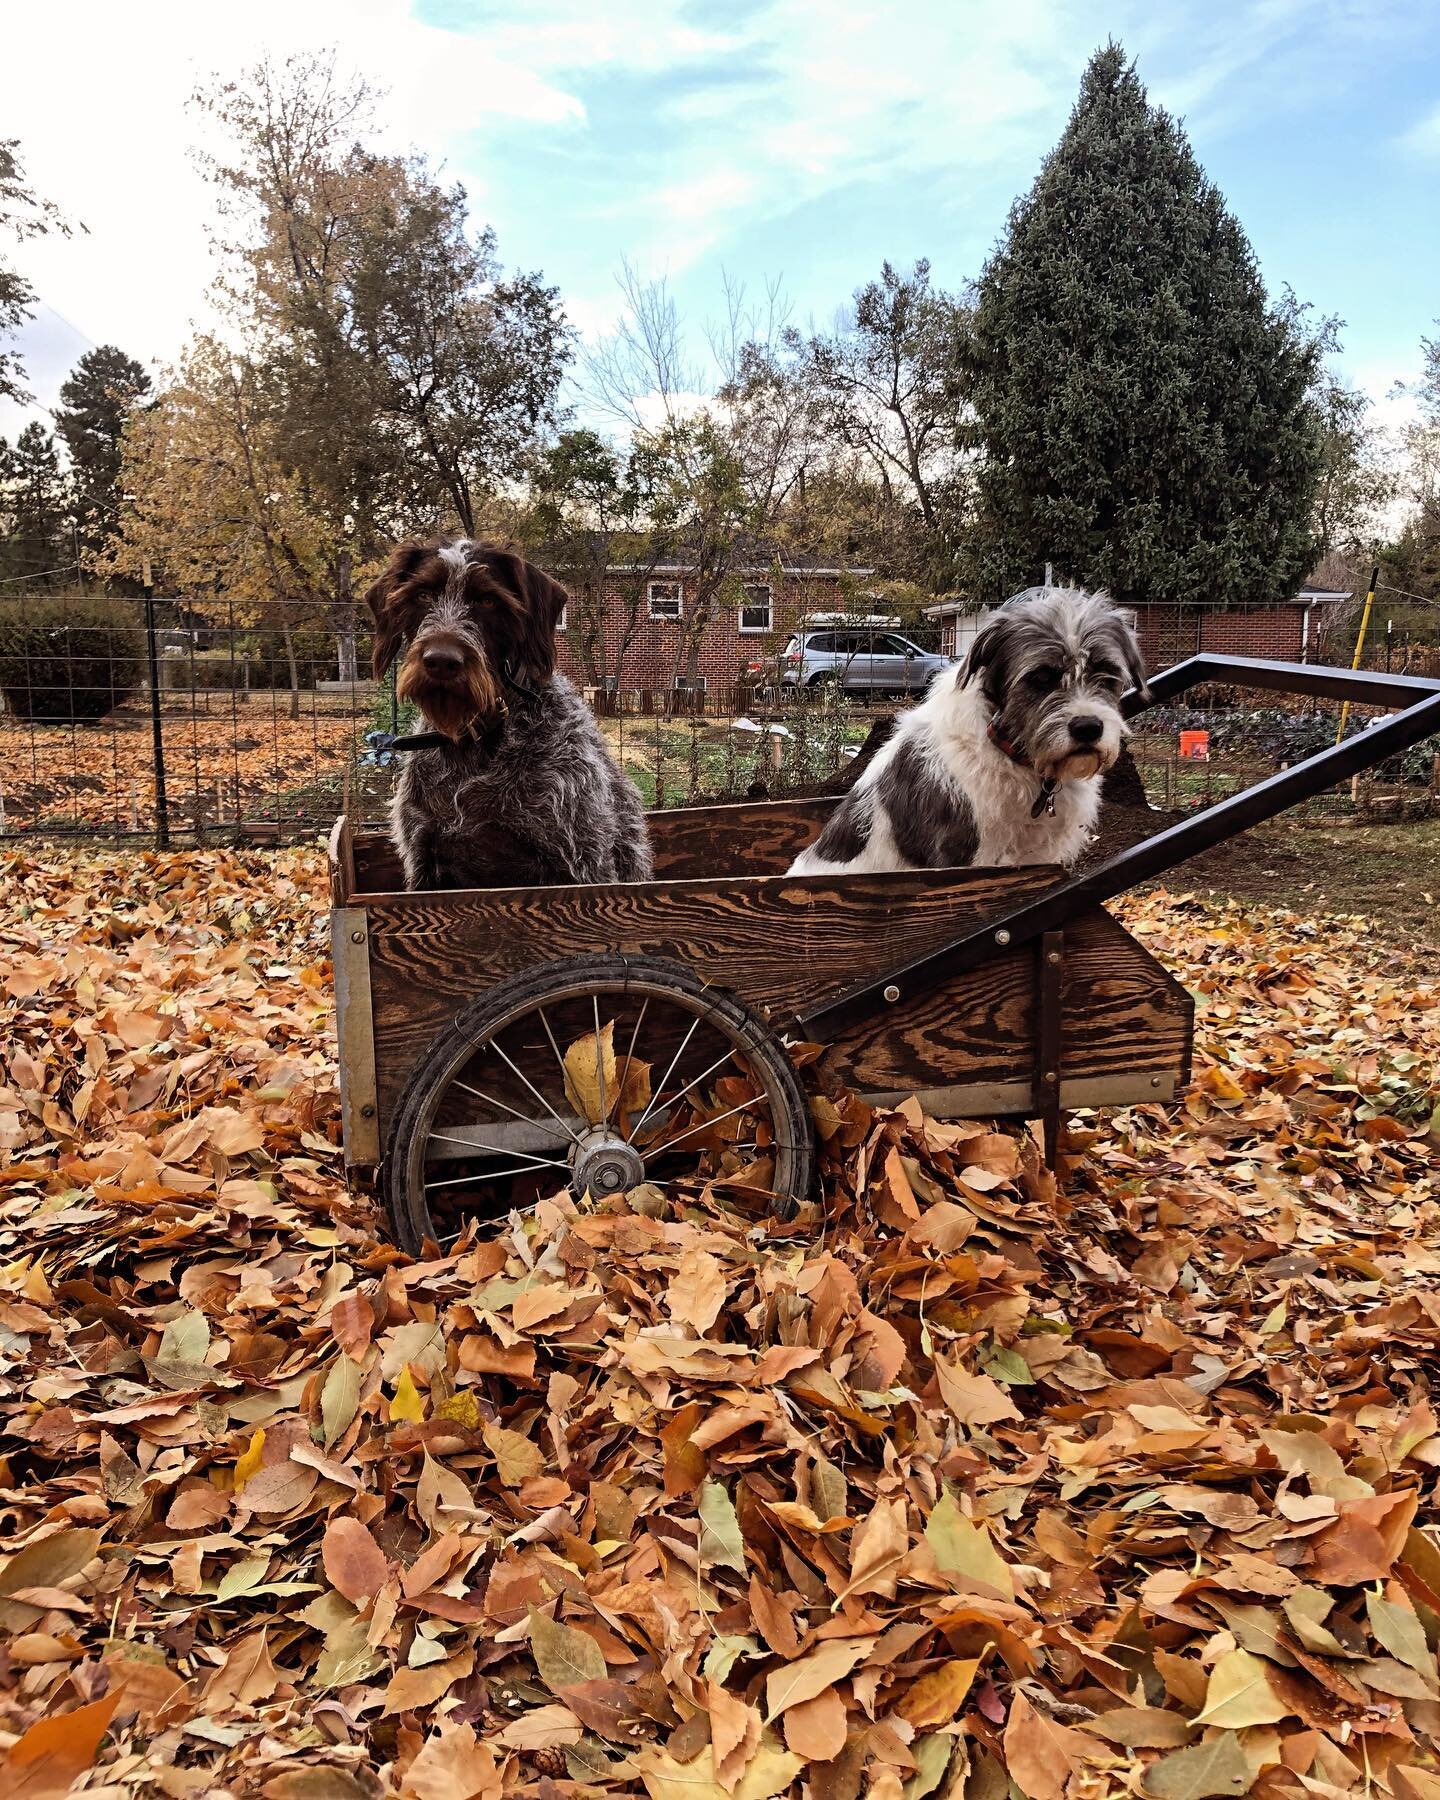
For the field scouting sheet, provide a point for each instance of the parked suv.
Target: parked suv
(860, 659)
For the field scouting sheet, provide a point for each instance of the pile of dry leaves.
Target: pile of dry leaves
(982, 1491)
(218, 766)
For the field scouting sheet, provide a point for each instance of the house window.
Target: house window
(665, 599)
(563, 622)
(685, 684)
(757, 612)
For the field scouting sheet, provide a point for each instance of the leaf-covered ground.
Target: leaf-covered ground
(102, 776)
(975, 1489)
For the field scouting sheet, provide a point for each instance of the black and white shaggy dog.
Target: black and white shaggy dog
(515, 787)
(1002, 762)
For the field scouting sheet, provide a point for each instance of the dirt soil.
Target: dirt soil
(1390, 873)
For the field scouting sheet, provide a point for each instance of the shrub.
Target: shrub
(65, 657)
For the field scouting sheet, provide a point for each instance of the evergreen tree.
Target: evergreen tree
(1143, 407)
(95, 402)
(33, 506)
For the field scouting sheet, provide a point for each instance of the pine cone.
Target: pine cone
(550, 1761)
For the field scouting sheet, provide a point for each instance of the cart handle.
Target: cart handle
(1053, 909)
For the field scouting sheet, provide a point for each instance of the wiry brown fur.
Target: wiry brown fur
(526, 792)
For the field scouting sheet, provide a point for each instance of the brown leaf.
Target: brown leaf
(452, 1765)
(1041, 1755)
(352, 1320)
(812, 1674)
(248, 1675)
(697, 1291)
(816, 1729)
(880, 1545)
(45, 1762)
(973, 1399)
(355, 1564)
(516, 1458)
(411, 1690)
(734, 1734)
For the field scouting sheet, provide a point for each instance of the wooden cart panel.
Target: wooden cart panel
(412, 961)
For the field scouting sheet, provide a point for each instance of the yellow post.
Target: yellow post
(1359, 645)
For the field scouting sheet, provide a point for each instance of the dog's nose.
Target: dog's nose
(1086, 729)
(441, 663)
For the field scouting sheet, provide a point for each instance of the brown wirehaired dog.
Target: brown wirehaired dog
(512, 784)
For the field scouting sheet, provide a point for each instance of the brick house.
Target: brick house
(768, 596)
(1296, 630)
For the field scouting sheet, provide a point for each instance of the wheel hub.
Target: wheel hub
(605, 1164)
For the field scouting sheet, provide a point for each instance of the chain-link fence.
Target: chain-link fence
(176, 722)
(180, 722)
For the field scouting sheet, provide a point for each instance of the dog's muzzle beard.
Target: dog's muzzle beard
(1064, 743)
(453, 684)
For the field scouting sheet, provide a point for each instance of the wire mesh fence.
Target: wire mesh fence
(184, 722)
(176, 722)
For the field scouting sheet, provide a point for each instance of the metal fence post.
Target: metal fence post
(157, 736)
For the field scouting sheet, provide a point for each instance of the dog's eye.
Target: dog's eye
(1045, 680)
(1104, 671)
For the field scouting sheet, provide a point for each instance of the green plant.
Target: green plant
(68, 657)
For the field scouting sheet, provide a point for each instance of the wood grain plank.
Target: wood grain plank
(749, 838)
(781, 942)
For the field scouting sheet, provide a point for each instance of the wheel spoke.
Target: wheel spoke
(540, 1162)
(704, 1125)
(564, 1072)
(600, 1063)
(478, 1180)
(524, 1118)
(534, 1090)
(677, 1098)
(674, 1060)
(629, 1058)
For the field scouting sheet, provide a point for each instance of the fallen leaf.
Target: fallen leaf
(355, 1564)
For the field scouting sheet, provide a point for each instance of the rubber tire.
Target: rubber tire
(405, 1202)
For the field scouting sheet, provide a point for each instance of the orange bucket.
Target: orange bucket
(1195, 746)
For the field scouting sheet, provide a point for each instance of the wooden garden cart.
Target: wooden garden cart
(499, 1043)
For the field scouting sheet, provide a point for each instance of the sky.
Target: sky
(756, 140)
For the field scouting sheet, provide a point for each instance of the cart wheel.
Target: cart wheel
(596, 1075)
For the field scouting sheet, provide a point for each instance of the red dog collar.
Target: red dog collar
(1045, 799)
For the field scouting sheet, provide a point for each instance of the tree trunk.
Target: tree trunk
(343, 617)
(289, 642)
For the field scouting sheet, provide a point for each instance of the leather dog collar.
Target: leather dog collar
(1045, 799)
(487, 740)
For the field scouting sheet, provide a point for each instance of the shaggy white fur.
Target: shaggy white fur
(1002, 762)
(950, 728)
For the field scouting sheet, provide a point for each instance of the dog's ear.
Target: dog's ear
(537, 603)
(391, 620)
(1133, 655)
(986, 659)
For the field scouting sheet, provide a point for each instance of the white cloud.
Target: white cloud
(766, 109)
(109, 143)
(1423, 137)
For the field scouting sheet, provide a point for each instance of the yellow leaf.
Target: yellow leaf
(590, 1074)
(460, 1409)
(407, 1403)
(249, 1463)
(600, 1085)
(965, 1548)
(1240, 1694)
